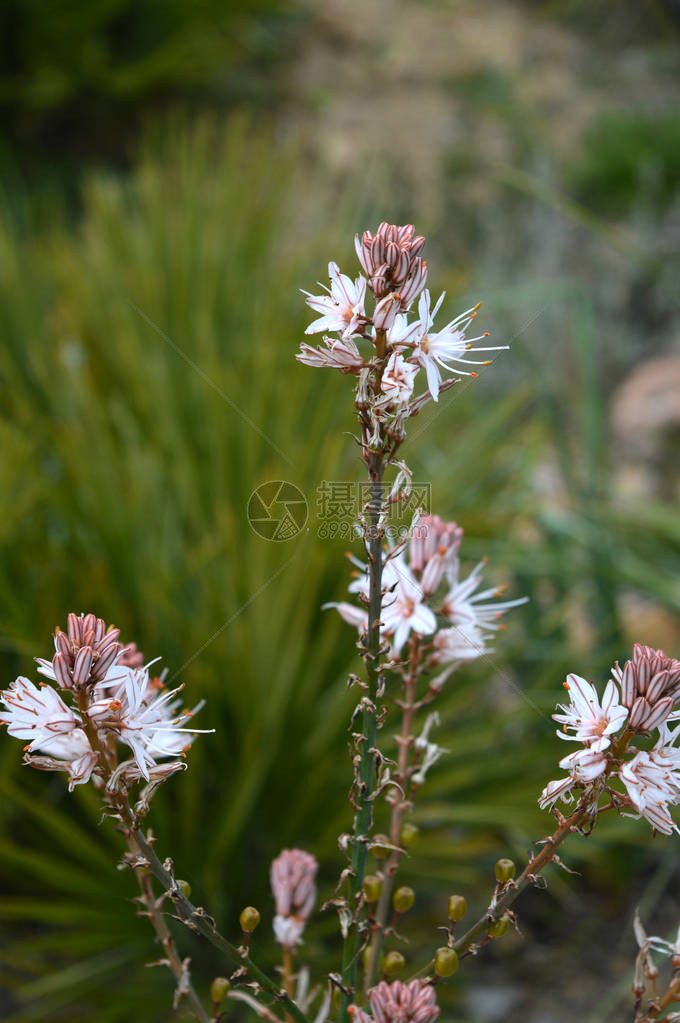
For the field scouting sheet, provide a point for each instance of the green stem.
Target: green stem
(363, 816)
(196, 919)
(532, 869)
(172, 959)
(396, 820)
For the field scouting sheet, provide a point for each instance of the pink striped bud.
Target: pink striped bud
(81, 667)
(60, 665)
(292, 878)
(74, 627)
(415, 1002)
(385, 312)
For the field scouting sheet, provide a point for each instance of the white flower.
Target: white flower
(557, 789)
(146, 719)
(38, 714)
(431, 752)
(403, 607)
(465, 607)
(435, 351)
(652, 782)
(73, 755)
(398, 379)
(342, 309)
(591, 722)
(459, 643)
(350, 613)
(288, 930)
(337, 354)
(584, 766)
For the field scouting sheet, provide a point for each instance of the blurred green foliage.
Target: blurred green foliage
(628, 157)
(79, 79)
(147, 386)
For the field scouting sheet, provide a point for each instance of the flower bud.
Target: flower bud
(218, 989)
(373, 887)
(498, 928)
(457, 907)
(81, 667)
(366, 957)
(394, 963)
(249, 919)
(403, 899)
(184, 887)
(504, 871)
(445, 962)
(408, 835)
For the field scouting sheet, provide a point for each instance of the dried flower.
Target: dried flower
(337, 354)
(415, 1002)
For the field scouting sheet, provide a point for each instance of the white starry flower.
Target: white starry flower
(38, 714)
(342, 308)
(437, 350)
(403, 603)
(459, 643)
(590, 721)
(403, 606)
(462, 606)
(146, 718)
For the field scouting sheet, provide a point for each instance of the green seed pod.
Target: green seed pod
(457, 907)
(373, 887)
(445, 962)
(504, 871)
(408, 834)
(184, 887)
(498, 928)
(394, 963)
(380, 846)
(218, 989)
(403, 899)
(249, 919)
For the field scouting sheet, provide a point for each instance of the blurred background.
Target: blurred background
(172, 174)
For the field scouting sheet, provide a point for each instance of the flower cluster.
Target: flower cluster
(396, 275)
(113, 700)
(639, 700)
(415, 1002)
(425, 594)
(292, 877)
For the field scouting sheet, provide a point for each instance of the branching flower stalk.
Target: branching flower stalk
(102, 719)
(114, 703)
